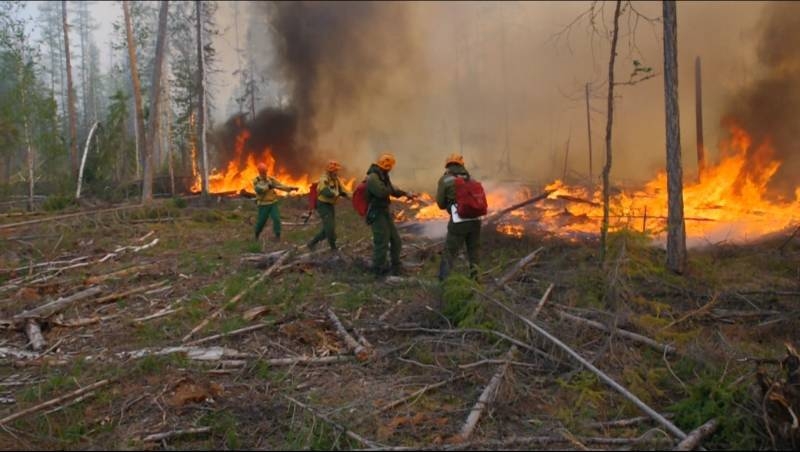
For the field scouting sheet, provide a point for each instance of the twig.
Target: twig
(338, 426)
(54, 307)
(159, 314)
(362, 353)
(705, 309)
(697, 435)
(238, 297)
(54, 402)
(230, 333)
(127, 293)
(606, 379)
(418, 393)
(542, 300)
(495, 217)
(174, 433)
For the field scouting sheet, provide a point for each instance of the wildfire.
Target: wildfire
(729, 203)
(240, 172)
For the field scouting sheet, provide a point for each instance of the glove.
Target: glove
(294, 189)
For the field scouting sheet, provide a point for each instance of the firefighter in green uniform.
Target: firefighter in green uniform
(379, 217)
(459, 230)
(267, 200)
(329, 189)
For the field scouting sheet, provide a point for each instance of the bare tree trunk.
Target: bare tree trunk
(589, 131)
(155, 93)
(676, 228)
(202, 99)
(73, 119)
(168, 141)
(698, 111)
(26, 130)
(609, 123)
(83, 160)
(137, 87)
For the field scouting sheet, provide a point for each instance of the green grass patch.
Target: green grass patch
(461, 305)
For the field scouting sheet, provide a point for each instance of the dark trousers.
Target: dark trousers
(265, 213)
(384, 238)
(327, 212)
(458, 234)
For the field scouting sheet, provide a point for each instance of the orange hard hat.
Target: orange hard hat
(262, 167)
(333, 166)
(454, 158)
(386, 162)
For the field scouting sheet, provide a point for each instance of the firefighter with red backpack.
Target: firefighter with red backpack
(328, 190)
(378, 189)
(465, 201)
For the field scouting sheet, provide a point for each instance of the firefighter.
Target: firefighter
(459, 230)
(267, 201)
(384, 233)
(329, 189)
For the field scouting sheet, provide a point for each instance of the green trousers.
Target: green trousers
(467, 232)
(327, 212)
(266, 212)
(384, 234)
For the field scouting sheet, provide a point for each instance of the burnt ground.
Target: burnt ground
(442, 344)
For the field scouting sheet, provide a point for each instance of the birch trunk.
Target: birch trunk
(202, 98)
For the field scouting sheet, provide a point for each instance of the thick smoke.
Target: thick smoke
(769, 108)
(271, 129)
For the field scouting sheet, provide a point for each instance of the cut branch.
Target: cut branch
(495, 217)
(238, 297)
(624, 333)
(175, 433)
(606, 379)
(341, 428)
(54, 307)
(519, 266)
(697, 435)
(362, 353)
(54, 402)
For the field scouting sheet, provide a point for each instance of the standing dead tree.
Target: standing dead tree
(151, 138)
(137, 87)
(676, 226)
(73, 115)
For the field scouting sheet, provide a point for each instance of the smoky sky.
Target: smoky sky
(424, 79)
(769, 107)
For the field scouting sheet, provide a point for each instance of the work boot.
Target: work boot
(379, 272)
(311, 245)
(398, 270)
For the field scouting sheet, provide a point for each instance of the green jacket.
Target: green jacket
(379, 188)
(330, 188)
(446, 189)
(265, 190)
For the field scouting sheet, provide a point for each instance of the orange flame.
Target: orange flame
(730, 202)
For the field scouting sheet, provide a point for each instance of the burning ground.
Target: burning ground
(284, 377)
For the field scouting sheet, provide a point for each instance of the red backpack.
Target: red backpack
(312, 196)
(470, 198)
(360, 202)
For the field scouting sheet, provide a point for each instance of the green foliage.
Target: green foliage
(179, 203)
(461, 306)
(712, 397)
(313, 435)
(223, 424)
(58, 202)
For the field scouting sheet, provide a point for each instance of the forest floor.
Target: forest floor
(121, 366)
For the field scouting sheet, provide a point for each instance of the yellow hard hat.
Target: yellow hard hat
(454, 158)
(386, 162)
(333, 166)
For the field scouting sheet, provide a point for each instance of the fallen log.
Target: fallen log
(193, 353)
(697, 435)
(519, 266)
(605, 378)
(54, 307)
(361, 352)
(496, 216)
(238, 296)
(69, 215)
(92, 280)
(54, 402)
(664, 348)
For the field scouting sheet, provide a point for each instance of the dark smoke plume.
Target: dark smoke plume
(271, 129)
(769, 108)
